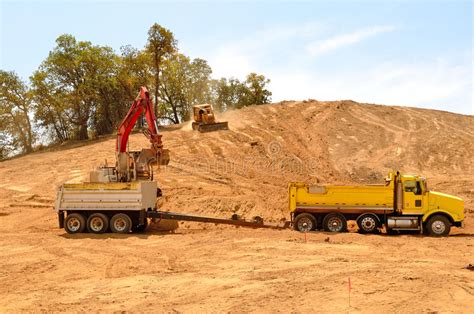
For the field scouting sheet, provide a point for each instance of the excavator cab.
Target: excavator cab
(205, 120)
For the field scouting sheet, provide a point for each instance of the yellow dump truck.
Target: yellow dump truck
(402, 203)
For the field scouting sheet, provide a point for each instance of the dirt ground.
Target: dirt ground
(245, 170)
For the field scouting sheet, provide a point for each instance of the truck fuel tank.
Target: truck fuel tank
(403, 223)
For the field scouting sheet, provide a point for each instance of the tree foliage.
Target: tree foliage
(161, 44)
(233, 94)
(72, 83)
(185, 83)
(16, 131)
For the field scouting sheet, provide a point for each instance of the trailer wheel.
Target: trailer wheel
(120, 223)
(438, 226)
(74, 223)
(305, 222)
(368, 223)
(97, 223)
(335, 222)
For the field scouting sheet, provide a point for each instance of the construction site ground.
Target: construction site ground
(245, 170)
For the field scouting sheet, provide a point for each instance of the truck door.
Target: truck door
(413, 198)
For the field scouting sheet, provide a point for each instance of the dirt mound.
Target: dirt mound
(246, 170)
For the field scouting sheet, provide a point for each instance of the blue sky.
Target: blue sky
(389, 52)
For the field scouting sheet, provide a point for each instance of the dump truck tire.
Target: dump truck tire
(97, 223)
(120, 223)
(305, 222)
(334, 222)
(74, 223)
(438, 226)
(368, 223)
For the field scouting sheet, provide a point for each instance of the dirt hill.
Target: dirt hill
(244, 170)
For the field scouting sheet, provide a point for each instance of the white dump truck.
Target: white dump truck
(120, 206)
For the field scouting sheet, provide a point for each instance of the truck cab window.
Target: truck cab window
(410, 186)
(413, 186)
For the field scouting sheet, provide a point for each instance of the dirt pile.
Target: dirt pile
(246, 170)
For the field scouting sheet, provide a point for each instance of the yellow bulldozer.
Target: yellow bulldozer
(205, 120)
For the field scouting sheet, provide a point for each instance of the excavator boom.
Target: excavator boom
(141, 104)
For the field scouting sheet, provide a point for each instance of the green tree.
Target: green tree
(50, 108)
(16, 131)
(228, 94)
(184, 83)
(161, 44)
(71, 84)
(257, 92)
(233, 94)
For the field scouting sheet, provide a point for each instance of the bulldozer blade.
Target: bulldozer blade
(213, 127)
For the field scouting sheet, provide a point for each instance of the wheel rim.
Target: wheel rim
(335, 224)
(97, 224)
(120, 224)
(73, 224)
(368, 223)
(305, 224)
(438, 227)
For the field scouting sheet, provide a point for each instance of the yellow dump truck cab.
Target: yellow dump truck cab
(402, 202)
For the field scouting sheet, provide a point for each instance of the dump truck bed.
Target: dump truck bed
(106, 196)
(350, 199)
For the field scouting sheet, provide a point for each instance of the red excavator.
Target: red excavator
(135, 165)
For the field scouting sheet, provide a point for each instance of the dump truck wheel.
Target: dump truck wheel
(368, 223)
(120, 223)
(74, 223)
(305, 222)
(335, 222)
(97, 223)
(438, 226)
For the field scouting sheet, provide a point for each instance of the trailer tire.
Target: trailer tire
(438, 226)
(74, 223)
(97, 223)
(120, 223)
(335, 222)
(305, 222)
(368, 223)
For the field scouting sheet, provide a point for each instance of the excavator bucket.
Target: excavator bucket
(201, 127)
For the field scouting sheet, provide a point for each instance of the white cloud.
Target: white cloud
(324, 46)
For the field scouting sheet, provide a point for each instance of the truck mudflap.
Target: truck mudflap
(61, 219)
(257, 222)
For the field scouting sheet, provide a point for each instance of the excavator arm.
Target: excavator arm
(136, 165)
(141, 104)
